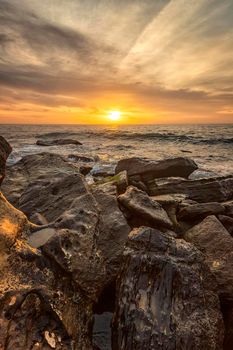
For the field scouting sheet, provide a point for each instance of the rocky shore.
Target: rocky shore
(139, 257)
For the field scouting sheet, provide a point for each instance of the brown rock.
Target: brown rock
(161, 296)
(211, 237)
(200, 211)
(227, 222)
(180, 166)
(5, 150)
(140, 204)
(205, 190)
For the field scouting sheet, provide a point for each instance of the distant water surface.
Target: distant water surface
(211, 146)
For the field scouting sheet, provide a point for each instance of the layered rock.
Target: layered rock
(142, 206)
(161, 296)
(5, 150)
(204, 190)
(200, 211)
(211, 237)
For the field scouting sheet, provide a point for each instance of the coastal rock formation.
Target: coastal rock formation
(43, 167)
(200, 211)
(57, 142)
(142, 206)
(140, 169)
(211, 237)
(162, 290)
(5, 150)
(227, 222)
(204, 190)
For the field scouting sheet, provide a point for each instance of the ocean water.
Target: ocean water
(211, 146)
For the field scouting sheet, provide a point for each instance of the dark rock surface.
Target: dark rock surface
(205, 190)
(147, 170)
(5, 150)
(141, 205)
(162, 294)
(211, 237)
(200, 211)
(227, 222)
(57, 142)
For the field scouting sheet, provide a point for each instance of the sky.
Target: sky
(155, 61)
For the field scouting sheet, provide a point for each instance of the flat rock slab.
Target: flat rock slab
(140, 204)
(146, 169)
(40, 237)
(211, 237)
(200, 211)
(165, 296)
(58, 142)
(218, 189)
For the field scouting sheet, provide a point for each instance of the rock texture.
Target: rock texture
(57, 142)
(205, 190)
(200, 211)
(169, 302)
(147, 170)
(5, 150)
(141, 205)
(211, 237)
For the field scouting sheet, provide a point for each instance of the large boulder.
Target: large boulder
(211, 237)
(162, 291)
(43, 167)
(5, 150)
(218, 189)
(142, 206)
(146, 169)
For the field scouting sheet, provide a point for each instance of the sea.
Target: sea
(211, 146)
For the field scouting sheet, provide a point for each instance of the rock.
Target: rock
(114, 184)
(103, 170)
(141, 205)
(205, 190)
(148, 170)
(228, 208)
(5, 150)
(40, 307)
(227, 222)
(57, 142)
(79, 158)
(85, 169)
(200, 211)
(52, 197)
(162, 304)
(43, 167)
(211, 237)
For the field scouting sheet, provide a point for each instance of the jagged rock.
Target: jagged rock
(205, 190)
(52, 197)
(147, 170)
(162, 304)
(5, 150)
(200, 211)
(34, 168)
(116, 184)
(228, 208)
(211, 237)
(227, 222)
(103, 170)
(141, 205)
(40, 306)
(57, 142)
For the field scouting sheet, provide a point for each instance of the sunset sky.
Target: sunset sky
(155, 61)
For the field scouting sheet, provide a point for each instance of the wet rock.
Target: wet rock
(227, 222)
(146, 170)
(205, 190)
(5, 150)
(211, 237)
(140, 204)
(200, 211)
(34, 168)
(162, 304)
(58, 142)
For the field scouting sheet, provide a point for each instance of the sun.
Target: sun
(114, 115)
